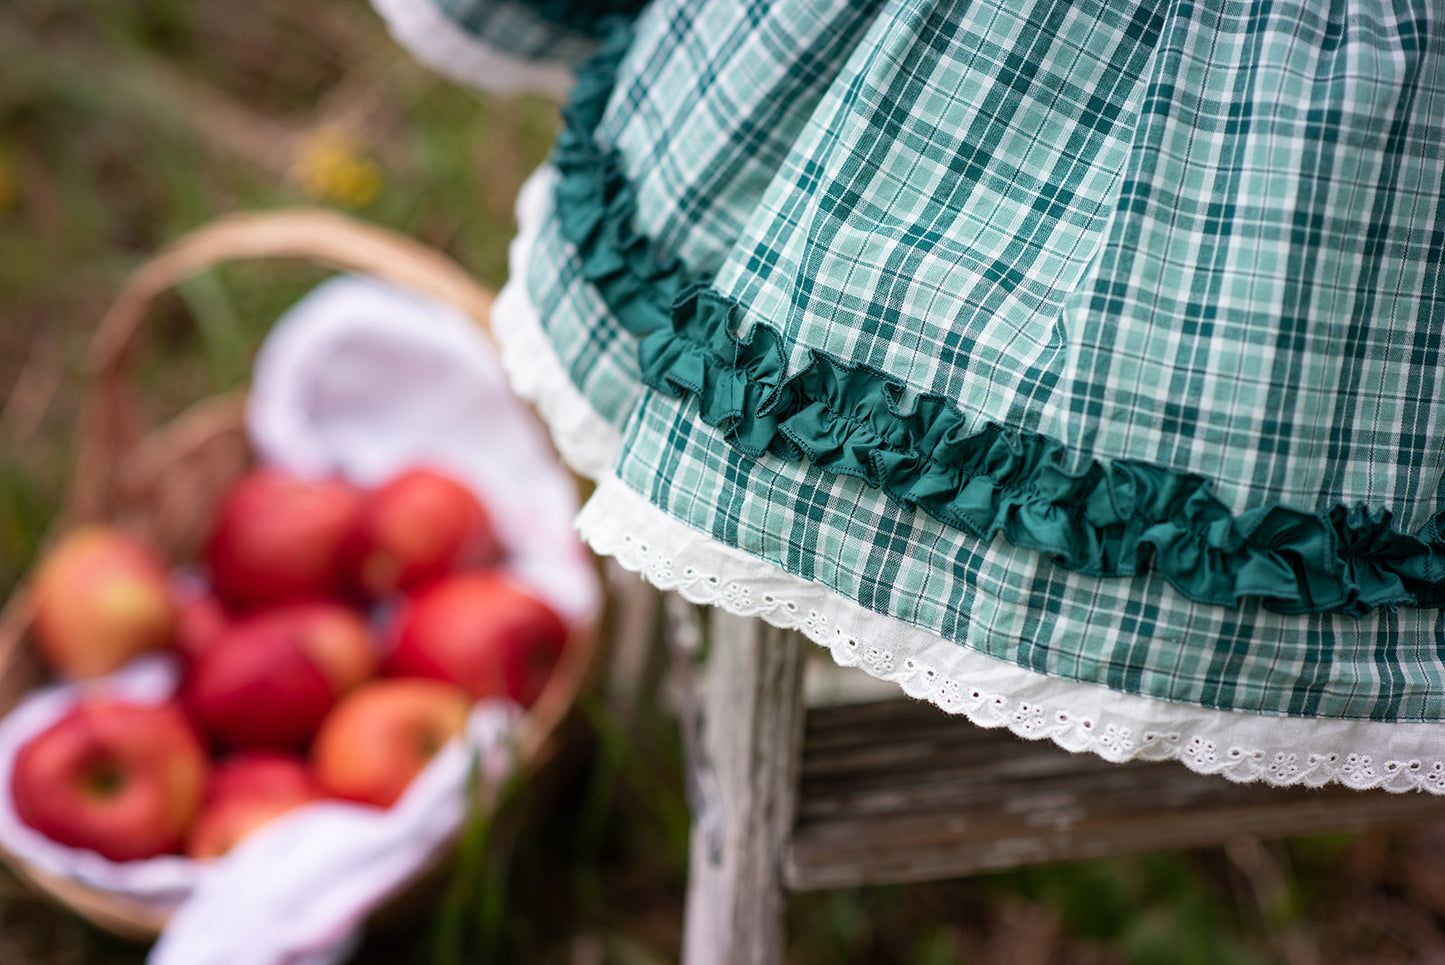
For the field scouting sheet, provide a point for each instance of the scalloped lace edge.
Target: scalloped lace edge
(987, 691)
(436, 41)
(585, 440)
(1077, 716)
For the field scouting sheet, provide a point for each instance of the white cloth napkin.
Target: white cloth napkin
(362, 379)
(295, 891)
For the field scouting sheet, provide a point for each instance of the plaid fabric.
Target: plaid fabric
(703, 170)
(1205, 237)
(554, 30)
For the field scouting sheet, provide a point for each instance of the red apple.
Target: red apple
(279, 538)
(482, 631)
(265, 773)
(382, 735)
(420, 525)
(121, 779)
(100, 597)
(246, 792)
(201, 616)
(270, 678)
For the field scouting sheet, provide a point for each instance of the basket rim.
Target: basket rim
(110, 430)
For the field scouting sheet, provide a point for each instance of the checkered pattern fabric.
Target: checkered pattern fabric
(565, 31)
(1204, 237)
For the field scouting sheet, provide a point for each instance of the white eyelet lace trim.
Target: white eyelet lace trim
(584, 439)
(993, 693)
(989, 692)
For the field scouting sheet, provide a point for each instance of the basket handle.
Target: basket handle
(110, 424)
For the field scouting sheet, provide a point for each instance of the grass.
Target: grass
(124, 123)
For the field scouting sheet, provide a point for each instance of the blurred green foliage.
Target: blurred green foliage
(125, 124)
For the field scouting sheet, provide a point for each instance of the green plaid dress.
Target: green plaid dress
(1076, 365)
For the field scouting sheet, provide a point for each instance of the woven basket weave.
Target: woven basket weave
(164, 483)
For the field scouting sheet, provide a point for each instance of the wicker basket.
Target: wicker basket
(164, 483)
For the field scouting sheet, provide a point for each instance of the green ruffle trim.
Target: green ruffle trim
(1114, 520)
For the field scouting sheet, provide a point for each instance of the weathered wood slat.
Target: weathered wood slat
(746, 769)
(898, 791)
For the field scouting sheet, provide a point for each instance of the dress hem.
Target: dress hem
(441, 45)
(989, 692)
(1118, 727)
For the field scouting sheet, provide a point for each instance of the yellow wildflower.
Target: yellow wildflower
(330, 167)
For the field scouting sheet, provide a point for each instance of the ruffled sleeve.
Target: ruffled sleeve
(504, 46)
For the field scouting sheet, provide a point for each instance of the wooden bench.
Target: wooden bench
(791, 798)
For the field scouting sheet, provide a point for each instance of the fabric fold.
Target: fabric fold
(1109, 520)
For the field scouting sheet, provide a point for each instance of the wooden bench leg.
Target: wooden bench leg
(745, 775)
